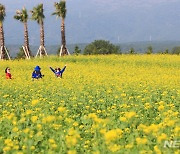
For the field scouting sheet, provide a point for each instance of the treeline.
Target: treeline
(105, 47)
(97, 47)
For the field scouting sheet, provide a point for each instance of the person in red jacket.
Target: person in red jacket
(8, 73)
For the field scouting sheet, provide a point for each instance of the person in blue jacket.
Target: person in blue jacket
(57, 71)
(37, 73)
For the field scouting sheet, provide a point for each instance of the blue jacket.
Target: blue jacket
(37, 73)
(58, 73)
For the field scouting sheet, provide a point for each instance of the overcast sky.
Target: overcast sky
(12, 5)
(87, 20)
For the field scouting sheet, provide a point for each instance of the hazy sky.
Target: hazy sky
(12, 5)
(87, 20)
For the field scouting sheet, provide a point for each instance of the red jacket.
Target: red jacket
(8, 75)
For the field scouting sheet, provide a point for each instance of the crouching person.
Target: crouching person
(37, 73)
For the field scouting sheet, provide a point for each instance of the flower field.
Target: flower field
(103, 104)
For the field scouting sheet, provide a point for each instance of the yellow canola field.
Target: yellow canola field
(103, 104)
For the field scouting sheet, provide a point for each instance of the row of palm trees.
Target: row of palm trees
(37, 15)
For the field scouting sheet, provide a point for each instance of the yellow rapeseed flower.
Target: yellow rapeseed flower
(123, 119)
(6, 149)
(29, 112)
(26, 130)
(39, 126)
(114, 147)
(61, 109)
(129, 146)
(54, 146)
(34, 119)
(141, 140)
(5, 96)
(51, 141)
(75, 124)
(48, 119)
(15, 129)
(34, 102)
(71, 141)
(156, 149)
(113, 135)
(71, 152)
(32, 148)
(129, 115)
(161, 107)
(162, 137)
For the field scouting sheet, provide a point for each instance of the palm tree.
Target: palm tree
(38, 15)
(22, 16)
(3, 51)
(61, 12)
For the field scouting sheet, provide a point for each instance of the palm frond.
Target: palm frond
(60, 9)
(21, 15)
(2, 12)
(38, 13)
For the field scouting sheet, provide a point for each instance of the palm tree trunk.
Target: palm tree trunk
(26, 38)
(2, 44)
(1, 35)
(42, 37)
(63, 40)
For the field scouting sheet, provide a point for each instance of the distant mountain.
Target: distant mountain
(87, 20)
